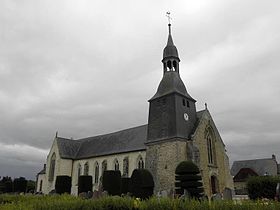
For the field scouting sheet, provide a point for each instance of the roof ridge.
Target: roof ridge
(253, 159)
(62, 138)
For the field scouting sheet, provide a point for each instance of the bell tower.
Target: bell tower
(172, 112)
(172, 118)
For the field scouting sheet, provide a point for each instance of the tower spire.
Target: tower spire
(170, 53)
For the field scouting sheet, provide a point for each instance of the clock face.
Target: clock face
(186, 116)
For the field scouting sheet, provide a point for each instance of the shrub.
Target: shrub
(63, 184)
(142, 184)
(262, 187)
(20, 184)
(84, 184)
(30, 186)
(187, 178)
(111, 182)
(125, 184)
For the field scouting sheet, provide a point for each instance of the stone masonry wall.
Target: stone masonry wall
(221, 168)
(162, 160)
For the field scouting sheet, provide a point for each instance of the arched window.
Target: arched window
(41, 184)
(52, 167)
(210, 147)
(79, 170)
(116, 164)
(125, 167)
(104, 166)
(214, 184)
(86, 167)
(174, 66)
(169, 66)
(96, 174)
(140, 163)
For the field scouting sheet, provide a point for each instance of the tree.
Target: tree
(187, 178)
(262, 187)
(6, 185)
(20, 184)
(30, 186)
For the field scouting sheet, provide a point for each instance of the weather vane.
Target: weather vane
(168, 17)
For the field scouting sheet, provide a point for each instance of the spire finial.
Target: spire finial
(168, 17)
(56, 134)
(169, 21)
(206, 106)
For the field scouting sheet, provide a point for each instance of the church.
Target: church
(175, 132)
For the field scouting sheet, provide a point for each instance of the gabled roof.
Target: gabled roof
(68, 148)
(260, 166)
(128, 140)
(243, 174)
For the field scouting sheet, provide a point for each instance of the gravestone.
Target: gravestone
(227, 194)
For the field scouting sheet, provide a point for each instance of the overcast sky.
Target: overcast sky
(87, 67)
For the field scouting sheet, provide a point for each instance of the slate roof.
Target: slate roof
(68, 148)
(43, 171)
(260, 166)
(170, 50)
(171, 83)
(128, 140)
(243, 174)
(132, 139)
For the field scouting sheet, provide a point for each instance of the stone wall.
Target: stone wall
(220, 169)
(162, 159)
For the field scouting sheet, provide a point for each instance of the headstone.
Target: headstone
(227, 194)
(216, 197)
(164, 194)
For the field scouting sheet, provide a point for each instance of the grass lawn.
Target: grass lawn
(68, 202)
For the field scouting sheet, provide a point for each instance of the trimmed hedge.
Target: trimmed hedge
(187, 177)
(125, 184)
(142, 183)
(111, 182)
(186, 167)
(84, 184)
(63, 184)
(262, 187)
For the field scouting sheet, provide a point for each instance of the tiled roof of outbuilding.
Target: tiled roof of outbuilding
(260, 166)
(243, 174)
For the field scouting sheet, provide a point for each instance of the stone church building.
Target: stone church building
(175, 132)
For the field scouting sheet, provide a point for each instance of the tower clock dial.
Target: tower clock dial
(186, 116)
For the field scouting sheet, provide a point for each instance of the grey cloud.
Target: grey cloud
(86, 68)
